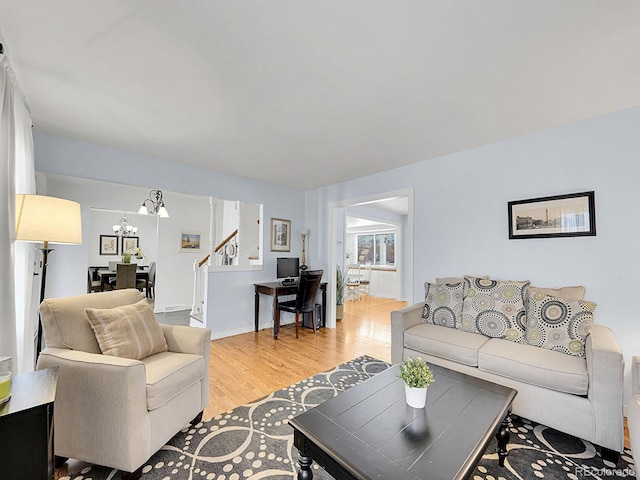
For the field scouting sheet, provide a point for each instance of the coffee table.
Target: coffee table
(370, 432)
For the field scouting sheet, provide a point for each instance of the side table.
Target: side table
(26, 427)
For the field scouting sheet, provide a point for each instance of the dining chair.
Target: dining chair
(365, 281)
(305, 301)
(93, 285)
(353, 282)
(125, 276)
(150, 286)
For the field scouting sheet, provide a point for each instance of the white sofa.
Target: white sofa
(115, 411)
(578, 396)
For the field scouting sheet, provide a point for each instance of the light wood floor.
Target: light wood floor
(251, 365)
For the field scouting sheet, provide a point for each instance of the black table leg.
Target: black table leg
(503, 438)
(305, 472)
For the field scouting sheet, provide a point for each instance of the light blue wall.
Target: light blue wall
(461, 213)
(230, 295)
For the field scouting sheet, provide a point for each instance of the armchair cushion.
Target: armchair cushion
(168, 374)
(129, 331)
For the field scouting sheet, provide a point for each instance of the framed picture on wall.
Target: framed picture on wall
(108, 245)
(190, 241)
(130, 244)
(571, 215)
(280, 235)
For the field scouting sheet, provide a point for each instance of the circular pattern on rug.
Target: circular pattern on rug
(535, 451)
(444, 316)
(492, 323)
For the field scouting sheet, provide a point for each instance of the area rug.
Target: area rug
(254, 442)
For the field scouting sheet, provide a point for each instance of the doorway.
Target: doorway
(337, 225)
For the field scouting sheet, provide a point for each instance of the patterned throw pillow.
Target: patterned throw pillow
(129, 331)
(559, 324)
(495, 308)
(443, 304)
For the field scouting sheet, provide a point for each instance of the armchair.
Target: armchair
(115, 411)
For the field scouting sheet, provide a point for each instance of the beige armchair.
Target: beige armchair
(114, 411)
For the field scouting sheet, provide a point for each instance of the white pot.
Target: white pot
(416, 397)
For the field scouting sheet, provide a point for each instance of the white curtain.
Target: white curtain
(16, 260)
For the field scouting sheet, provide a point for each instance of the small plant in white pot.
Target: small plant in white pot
(417, 377)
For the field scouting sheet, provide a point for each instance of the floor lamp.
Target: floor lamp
(47, 220)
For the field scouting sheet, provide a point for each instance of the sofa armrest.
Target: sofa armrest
(111, 391)
(605, 365)
(400, 321)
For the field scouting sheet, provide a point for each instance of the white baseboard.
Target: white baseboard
(230, 333)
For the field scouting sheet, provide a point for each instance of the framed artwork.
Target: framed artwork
(190, 241)
(108, 245)
(130, 244)
(571, 215)
(280, 235)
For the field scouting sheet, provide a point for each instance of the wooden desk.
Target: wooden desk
(277, 289)
(105, 275)
(26, 427)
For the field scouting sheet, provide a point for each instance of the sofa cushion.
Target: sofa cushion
(443, 304)
(128, 331)
(567, 293)
(535, 366)
(447, 343)
(495, 308)
(559, 325)
(168, 374)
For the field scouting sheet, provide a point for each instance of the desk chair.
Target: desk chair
(305, 301)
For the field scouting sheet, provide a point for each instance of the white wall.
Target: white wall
(159, 239)
(461, 213)
(230, 294)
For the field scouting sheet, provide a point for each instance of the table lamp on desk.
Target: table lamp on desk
(47, 220)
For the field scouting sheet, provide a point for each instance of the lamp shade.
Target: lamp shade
(48, 219)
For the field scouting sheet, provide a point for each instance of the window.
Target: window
(377, 248)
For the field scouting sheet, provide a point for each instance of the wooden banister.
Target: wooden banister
(203, 261)
(226, 240)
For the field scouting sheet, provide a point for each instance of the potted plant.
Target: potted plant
(417, 377)
(339, 293)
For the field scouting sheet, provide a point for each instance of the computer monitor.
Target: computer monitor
(287, 268)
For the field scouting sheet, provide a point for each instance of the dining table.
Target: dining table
(106, 275)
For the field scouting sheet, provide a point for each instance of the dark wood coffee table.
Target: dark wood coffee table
(369, 431)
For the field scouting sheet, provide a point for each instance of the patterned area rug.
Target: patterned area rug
(255, 442)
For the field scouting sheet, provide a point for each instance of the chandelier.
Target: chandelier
(154, 205)
(125, 229)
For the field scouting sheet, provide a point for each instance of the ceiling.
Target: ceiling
(309, 93)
